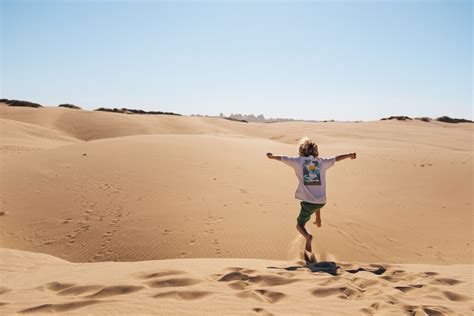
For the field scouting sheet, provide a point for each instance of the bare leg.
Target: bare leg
(306, 235)
(318, 218)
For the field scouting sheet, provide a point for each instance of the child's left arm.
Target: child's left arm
(345, 156)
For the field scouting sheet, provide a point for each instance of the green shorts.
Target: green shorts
(307, 209)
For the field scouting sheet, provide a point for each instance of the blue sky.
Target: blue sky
(343, 60)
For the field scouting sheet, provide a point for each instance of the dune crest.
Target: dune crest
(271, 287)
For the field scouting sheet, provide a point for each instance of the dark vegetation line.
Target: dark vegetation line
(72, 106)
(445, 119)
(233, 117)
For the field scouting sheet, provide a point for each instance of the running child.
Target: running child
(311, 173)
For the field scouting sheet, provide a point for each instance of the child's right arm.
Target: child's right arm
(271, 156)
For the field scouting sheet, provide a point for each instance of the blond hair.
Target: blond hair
(308, 148)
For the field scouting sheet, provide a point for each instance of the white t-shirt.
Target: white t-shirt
(311, 174)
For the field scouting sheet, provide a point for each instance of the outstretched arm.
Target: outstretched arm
(271, 156)
(345, 156)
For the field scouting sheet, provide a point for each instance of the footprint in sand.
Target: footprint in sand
(433, 310)
(58, 308)
(160, 274)
(377, 307)
(445, 281)
(343, 292)
(287, 274)
(215, 244)
(261, 311)
(213, 220)
(406, 289)
(48, 242)
(80, 290)
(183, 295)
(192, 241)
(98, 291)
(329, 281)
(428, 274)
(238, 285)
(239, 280)
(116, 290)
(262, 280)
(455, 297)
(397, 275)
(57, 286)
(262, 295)
(366, 283)
(173, 282)
(4, 290)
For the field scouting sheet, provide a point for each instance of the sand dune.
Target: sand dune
(93, 187)
(229, 286)
(91, 125)
(214, 195)
(17, 137)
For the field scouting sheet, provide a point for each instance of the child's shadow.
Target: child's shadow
(330, 268)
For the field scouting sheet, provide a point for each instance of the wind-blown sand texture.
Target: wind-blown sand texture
(229, 286)
(93, 186)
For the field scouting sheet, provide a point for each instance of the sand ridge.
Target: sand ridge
(92, 125)
(17, 137)
(247, 286)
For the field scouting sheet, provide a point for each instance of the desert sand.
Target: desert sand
(107, 213)
(37, 283)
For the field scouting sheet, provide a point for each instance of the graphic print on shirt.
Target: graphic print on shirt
(311, 172)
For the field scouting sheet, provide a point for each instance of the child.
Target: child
(311, 173)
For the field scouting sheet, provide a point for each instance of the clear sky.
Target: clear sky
(343, 60)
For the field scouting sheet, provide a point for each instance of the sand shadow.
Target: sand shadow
(330, 268)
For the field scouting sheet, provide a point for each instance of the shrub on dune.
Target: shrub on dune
(447, 119)
(114, 110)
(69, 106)
(134, 111)
(399, 118)
(21, 103)
(235, 120)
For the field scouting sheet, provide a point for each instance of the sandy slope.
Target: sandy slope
(90, 125)
(17, 137)
(90, 186)
(216, 195)
(229, 286)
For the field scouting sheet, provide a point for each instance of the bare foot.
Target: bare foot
(317, 222)
(308, 246)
